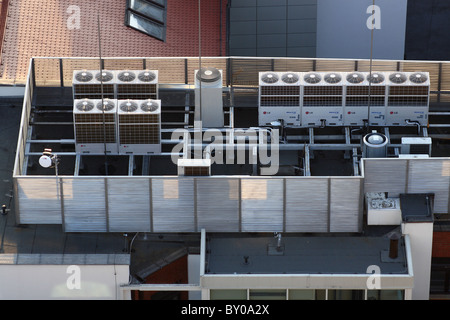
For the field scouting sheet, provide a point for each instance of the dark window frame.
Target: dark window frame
(140, 15)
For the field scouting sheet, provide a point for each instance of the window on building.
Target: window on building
(269, 294)
(385, 294)
(228, 294)
(147, 16)
(345, 294)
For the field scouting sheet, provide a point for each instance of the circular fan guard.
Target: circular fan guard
(289, 78)
(126, 76)
(333, 78)
(84, 76)
(312, 78)
(105, 106)
(85, 105)
(418, 77)
(270, 78)
(104, 76)
(397, 78)
(375, 78)
(129, 106)
(149, 106)
(355, 78)
(147, 76)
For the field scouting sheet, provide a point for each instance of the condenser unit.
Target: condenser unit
(322, 103)
(408, 99)
(372, 95)
(137, 84)
(194, 167)
(416, 146)
(356, 110)
(208, 97)
(95, 122)
(139, 126)
(279, 98)
(93, 84)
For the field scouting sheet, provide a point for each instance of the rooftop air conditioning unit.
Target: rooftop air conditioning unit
(416, 146)
(322, 99)
(208, 97)
(194, 167)
(137, 84)
(139, 126)
(279, 98)
(93, 84)
(356, 106)
(408, 100)
(95, 123)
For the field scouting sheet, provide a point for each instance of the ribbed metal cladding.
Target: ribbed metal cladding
(345, 197)
(173, 205)
(218, 204)
(307, 205)
(38, 201)
(262, 205)
(129, 205)
(385, 175)
(84, 205)
(431, 176)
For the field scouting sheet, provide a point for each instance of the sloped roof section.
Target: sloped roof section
(65, 28)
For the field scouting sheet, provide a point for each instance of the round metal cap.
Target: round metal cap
(208, 74)
(45, 161)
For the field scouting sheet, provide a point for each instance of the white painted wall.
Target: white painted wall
(49, 282)
(421, 237)
(194, 275)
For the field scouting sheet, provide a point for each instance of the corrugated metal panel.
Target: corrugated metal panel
(218, 205)
(173, 205)
(39, 201)
(345, 196)
(431, 176)
(262, 205)
(307, 205)
(245, 71)
(84, 205)
(129, 205)
(384, 175)
(296, 65)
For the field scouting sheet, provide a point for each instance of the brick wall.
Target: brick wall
(441, 245)
(176, 272)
